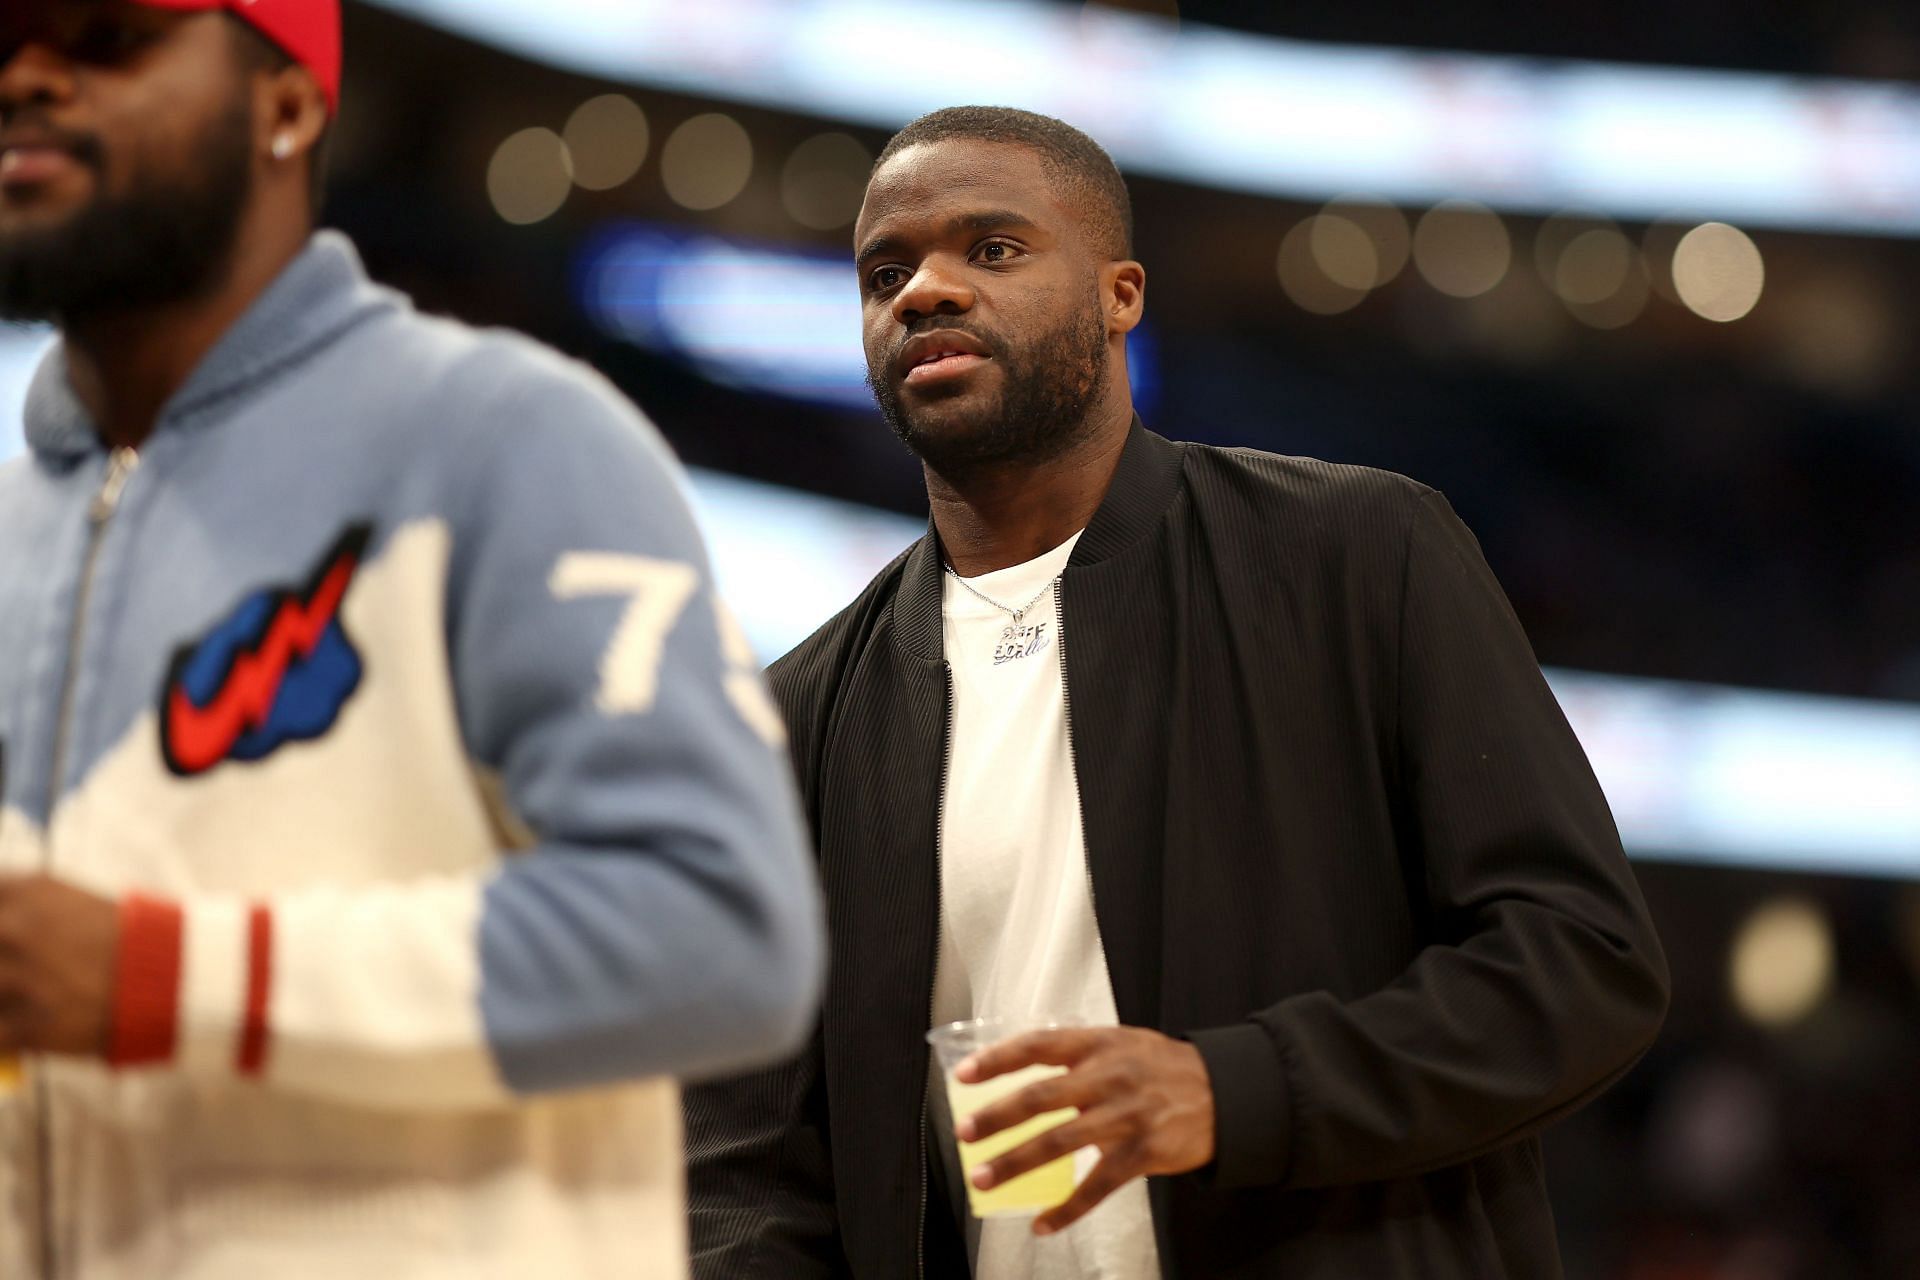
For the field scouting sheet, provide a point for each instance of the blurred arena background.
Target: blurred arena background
(1637, 284)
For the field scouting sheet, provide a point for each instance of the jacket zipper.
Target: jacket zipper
(939, 825)
(1066, 710)
(120, 468)
(121, 464)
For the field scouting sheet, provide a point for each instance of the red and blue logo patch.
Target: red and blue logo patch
(279, 669)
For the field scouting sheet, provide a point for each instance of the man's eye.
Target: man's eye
(103, 41)
(995, 251)
(886, 277)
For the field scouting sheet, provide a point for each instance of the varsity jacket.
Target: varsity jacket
(387, 689)
(1341, 838)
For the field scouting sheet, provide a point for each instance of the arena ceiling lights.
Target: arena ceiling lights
(1275, 117)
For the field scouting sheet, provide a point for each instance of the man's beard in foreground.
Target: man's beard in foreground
(167, 238)
(1046, 397)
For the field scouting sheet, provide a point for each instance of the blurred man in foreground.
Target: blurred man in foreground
(389, 808)
(1241, 762)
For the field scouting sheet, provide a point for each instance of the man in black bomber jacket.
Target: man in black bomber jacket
(1349, 889)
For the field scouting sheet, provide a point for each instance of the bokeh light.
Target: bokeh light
(706, 161)
(1593, 266)
(1552, 236)
(1782, 963)
(529, 176)
(1306, 279)
(1343, 251)
(1620, 308)
(1718, 272)
(1599, 275)
(1385, 225)
(1462, 248)
(824, 181)
(607, 138)
(1713, 1133)
(1836, 329)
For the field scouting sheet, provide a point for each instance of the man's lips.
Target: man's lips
(940, 355)
(940, 368)
(23, 166)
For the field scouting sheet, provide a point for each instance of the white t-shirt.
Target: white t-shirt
(1018, 937)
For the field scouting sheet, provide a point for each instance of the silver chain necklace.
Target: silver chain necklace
(1015, 614)
(1018, 640)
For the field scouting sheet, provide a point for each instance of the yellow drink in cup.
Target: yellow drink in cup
(12, 1074)
(1030, 1193)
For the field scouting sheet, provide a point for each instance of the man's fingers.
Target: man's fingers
(1061, 1140)
(1114, 1171)
(1056, 1093)
(1061, 1047)
(17, 1023)
(19, 916)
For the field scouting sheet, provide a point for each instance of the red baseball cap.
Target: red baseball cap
(308, 30)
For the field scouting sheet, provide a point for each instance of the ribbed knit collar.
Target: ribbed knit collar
(320, 293)
(1143, 487)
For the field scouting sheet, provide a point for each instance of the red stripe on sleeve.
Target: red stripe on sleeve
(146, 982)
(252, 1058)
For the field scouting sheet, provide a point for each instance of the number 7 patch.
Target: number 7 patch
(659, 591)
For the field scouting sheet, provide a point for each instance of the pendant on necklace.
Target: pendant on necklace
(1019, 641)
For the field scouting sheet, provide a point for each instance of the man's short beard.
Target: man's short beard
(167, 238)
(1048, 394)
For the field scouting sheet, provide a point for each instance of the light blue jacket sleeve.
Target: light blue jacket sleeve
(665, 919)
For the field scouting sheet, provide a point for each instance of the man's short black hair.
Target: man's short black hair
(1084, 171)
(257, 53)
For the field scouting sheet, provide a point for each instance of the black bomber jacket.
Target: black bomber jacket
(1341, 838)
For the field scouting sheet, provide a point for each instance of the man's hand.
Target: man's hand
(57, 947)
(1145, 1101)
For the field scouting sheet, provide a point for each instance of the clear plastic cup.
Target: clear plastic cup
(1030, 1193)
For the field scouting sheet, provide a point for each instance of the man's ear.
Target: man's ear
(292, 113)
(1123, 288)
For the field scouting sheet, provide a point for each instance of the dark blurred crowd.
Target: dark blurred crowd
(1736, 1153)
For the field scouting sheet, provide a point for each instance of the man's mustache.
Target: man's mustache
(936, 324)
(83, 147)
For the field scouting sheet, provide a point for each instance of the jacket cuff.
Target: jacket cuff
(1252, 1105)
(225, 988)
(146, 983)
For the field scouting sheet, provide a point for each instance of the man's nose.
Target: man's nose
(32, 73)
(939, 287)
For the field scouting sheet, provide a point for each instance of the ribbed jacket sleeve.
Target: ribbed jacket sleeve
(760, 1194)
(760, 1184)
(1545, 981)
